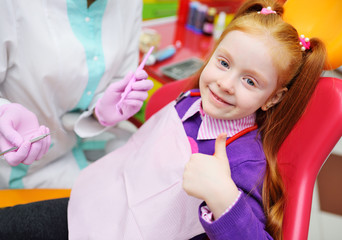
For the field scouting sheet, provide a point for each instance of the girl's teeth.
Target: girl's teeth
(219, 99)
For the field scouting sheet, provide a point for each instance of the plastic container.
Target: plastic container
(208, 26)
(220, 25)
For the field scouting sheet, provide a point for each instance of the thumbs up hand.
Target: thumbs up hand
(209, 178)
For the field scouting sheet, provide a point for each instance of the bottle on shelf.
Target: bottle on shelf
(220, 25)
(208, 25)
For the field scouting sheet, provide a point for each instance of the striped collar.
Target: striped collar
(210, 127)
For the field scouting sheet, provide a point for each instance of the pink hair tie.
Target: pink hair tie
(304, 42)
(267, 11)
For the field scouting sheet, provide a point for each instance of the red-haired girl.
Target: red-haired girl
(261, 69)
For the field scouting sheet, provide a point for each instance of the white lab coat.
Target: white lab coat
(56, 55)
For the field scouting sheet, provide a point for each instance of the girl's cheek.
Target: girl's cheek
(206, 76)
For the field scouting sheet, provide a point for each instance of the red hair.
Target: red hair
(299, 72)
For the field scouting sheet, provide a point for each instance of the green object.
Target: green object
(16, 177)
(159, 10)
(140, 116)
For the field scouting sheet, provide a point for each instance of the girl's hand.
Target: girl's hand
(209, 178)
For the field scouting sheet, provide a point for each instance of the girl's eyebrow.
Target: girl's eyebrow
(225, 53)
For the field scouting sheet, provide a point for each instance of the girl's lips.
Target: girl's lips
(217, 98)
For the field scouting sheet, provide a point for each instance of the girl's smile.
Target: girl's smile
(218, 99)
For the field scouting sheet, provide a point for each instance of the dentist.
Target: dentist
(60, 62)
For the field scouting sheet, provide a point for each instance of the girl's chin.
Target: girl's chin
(217, 114)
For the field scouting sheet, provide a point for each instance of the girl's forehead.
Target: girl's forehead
(245, 45)
(237, 38)
(249, 53)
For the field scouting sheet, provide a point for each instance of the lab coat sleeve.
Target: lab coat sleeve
(7, 42)
(86, 125)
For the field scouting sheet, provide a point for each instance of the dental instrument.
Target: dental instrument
(133, 79)
(32, 141)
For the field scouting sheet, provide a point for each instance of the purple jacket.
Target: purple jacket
(246, 220)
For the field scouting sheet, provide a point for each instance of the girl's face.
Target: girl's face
(239, 78)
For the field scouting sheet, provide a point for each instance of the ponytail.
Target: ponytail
(277, 123)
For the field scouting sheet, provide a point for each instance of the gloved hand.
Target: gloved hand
(106, 109)
(17, 127)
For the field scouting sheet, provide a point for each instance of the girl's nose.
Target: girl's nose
(226, 84)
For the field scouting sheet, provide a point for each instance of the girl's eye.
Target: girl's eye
(224, 63)
(250, 82)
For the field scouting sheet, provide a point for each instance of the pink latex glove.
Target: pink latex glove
(106, 109)
(17, 127)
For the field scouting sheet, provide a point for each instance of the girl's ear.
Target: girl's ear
(277, 97)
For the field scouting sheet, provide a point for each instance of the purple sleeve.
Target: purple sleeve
(238, 223)
(246, 219)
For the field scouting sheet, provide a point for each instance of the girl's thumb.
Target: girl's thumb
(220, 146)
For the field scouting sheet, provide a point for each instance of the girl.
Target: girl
(257, 75)
(260, 67)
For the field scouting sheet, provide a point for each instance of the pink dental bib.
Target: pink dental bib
(136, 191)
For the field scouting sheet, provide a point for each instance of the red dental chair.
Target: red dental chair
(300, 158)
(302, 154)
